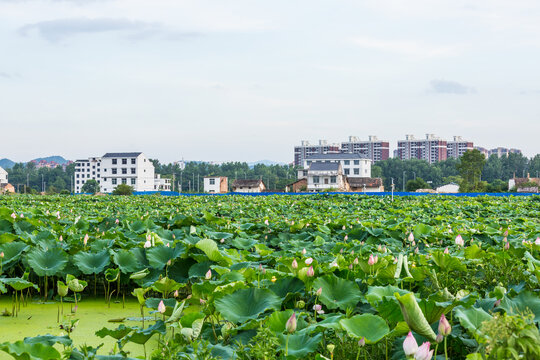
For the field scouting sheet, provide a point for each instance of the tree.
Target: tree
(90, 187)
(418, 183)
(123, 189)
(470, 168)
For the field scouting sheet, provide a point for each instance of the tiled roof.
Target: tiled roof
(361, 181)
(246, 183)
(340, 156)
(324, 166)
(118, 155)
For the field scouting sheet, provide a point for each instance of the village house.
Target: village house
(216, 184)
(365, 184)
(248, 186)
(324, 176)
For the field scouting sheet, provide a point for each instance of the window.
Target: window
(347, 162)
(98, 164)
(333, 179)
(114, 171)
(133, 181)
(104, 179)
(77, 181)
(97, 175)
(212, 181)
(356, 162)
(124, 181)
(114, 161)
(356, 171)
(133, 161)
(93, 173)
(124, 161)
(347, 171)
(77, 176)
(133, 170)
(124, 171)
(98, 170)
(315, 179)
(114, 181)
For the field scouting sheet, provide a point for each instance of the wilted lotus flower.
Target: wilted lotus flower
(411, 237)
(147, 244)
(371, 260)
(319, 291)
(309, 261)
(423, 352)
(444, 326)
(208, 275)
(85, 240)
(161, 307)
(362, 342)
(310, 272)
(291, 323)
(446, 251)
(294, 264)
(410, 347)
(304, 251)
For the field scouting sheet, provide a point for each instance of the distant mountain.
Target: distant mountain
(265, 162)
(6, 163)
(57, 159)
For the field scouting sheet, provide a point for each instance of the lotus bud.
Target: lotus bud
(506, 245)
(384, 249)
(379, 248)
(310, 272)
(413, 243)
(202, 301)
(147, 244)
(291, 323)
(319, 291)
(346, 237)
(60, 238)
(331, 348)
(410, 347)
(292, 222)
(208, 275)
(161, 307)
(333, 264)
(371, 260)
(505, 239)
(260, 267)
(355, 262)
(167, 245)
(444, 326)
(222, 241)
(85, 241)
(362, 342)
(395, 259)
(22, 215)
(497, 303)
(343, 227)
(2, 255)
(176, 293)
(376, 259)
(506, 233)
(304, 251)
(423, 352)
(309, 261)
(352, 252)
(459, 241)
(446, 251)
(341, 251)
(350, 266)
(537, 242)
(117, 221)
(439, 338)
(169, 263)
(264, 271)
(524, 242)
(416, 251)
(411, 237)
(294, 264)
(317, 307)
(361, 242)
(14, 216)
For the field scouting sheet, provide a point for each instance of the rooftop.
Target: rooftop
(118, 155)
(340, 156)
(246, 183)
(324, 166)
(361, 181)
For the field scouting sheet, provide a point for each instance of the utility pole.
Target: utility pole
(404, 181)
(198, 182)
(173, 179)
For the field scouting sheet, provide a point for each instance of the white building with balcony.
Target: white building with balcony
(161, 184)
(353, 165)
(323, 176)
(112, 169)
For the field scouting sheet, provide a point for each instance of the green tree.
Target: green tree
(123, 189)
(415, 184)
(470, 169)
(91, 187)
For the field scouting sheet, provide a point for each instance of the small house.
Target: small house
(248, 186)
(297, 186)
(216, 184)
(324, 176)
(365, 184)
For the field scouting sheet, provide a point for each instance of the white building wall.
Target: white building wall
(351, 168)
(212, 184)
(3, 176)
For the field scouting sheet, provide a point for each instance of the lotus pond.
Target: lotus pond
(277, 277)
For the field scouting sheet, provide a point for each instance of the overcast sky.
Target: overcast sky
(247, 80)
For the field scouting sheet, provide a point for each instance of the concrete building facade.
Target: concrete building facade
(3, 176)
(373, 149)
(457, 147)
(431, 149)
(306, 150)
(353, 165)
(215, 184)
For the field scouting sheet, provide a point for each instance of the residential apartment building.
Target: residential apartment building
(501, 151)
(431, 149)
(353, 165)
(483, 150)
(373, 149)
(110, 170)
(306, 150)
(457, 147)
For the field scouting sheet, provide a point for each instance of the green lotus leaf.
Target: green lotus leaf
(521, 303)
(413, 316)
(36, 351)
(158, 256)
(247, 304)
(62, 288)
(12, 253)
(112, 274)
(448, 262)
(117, 333)
(47, 262)
(92, 263)
(337, 293)
(127, 261)
(49, 340)
(177, 312)
(299, 345)
(19, 284)
(141, 336)
(287, 285)
(278, 319)
(140, 274)
(243, 243)
(166, 286)
(139, 294)
(210, 248)
(368, 326)
(472, 319)
(74, 284)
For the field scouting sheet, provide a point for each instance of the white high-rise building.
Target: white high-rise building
(110, 170)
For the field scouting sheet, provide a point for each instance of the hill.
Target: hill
(57, 159)
(6, 163)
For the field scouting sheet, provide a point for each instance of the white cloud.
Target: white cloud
(407, 47)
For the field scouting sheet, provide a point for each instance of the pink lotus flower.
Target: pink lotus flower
(371, 260)
(147, 244)
(319, 291)
(459, 241)
(117, 221)
(85, 240)
(304, 251)
(410, 347)
(290, 326)
(362, 342)
(355, 262)
(310, 272)
(309, 261)
(411, 237)
(537, 242)
(161, 307)
(208, 275)
(423, 352)
(444, 326)
(318, 308)
(294, 264)
(446, 251)
(266, 222)
(14, 216)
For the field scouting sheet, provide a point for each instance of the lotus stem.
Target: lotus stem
(445, 350)
(287, 345)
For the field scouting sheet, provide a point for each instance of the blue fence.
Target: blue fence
(386, 193)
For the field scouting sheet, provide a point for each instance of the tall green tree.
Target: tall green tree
(470, 168)
(90, 187)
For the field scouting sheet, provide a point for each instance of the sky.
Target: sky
(248, 80)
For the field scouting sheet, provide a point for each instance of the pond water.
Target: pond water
(39, 318)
